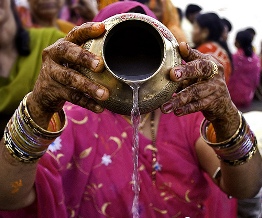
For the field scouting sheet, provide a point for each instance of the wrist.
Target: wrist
(225, 127)
(40, 116)
(235, 150)
(25, 140)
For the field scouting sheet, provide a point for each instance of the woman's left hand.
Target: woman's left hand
(209, 94)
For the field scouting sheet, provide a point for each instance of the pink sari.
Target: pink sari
(245, 79)
(120, 8)
(87, 171)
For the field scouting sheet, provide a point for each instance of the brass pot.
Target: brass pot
(136, 49)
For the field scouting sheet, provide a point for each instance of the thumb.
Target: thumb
(189, 54)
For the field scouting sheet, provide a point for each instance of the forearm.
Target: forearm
(226, 126)
(24, 142)
(241, 180)
(16, 181)
(39, 115)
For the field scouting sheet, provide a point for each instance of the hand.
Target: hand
(58, 83)
(210, 96)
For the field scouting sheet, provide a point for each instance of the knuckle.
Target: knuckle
(188, 109)
(197, 106)
(194, 93)
(74, 30)
(46, 53)
(76, 97)
(61, 47)
(66, 77)
(85, 55)
(72, 33)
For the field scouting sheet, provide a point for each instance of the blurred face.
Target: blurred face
(157, 8)
(7, 24)
(237, 44)
(48, 9)
(192, 17)
(225, 34)
(199, 35)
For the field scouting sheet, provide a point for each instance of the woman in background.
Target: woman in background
(167, 14)
(246, 75)
(80, 11)
(43, 14)
(87, 171)
(20, 58)
(207, 33)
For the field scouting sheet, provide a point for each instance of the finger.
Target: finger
(71, 78)
(67, 52)
(189, 54)
(190, 94)
(84, 101)
(80, 99)
(200, 68)
(196, 106)
(80, 34)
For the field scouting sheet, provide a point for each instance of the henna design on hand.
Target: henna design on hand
(59, 81)
(210, 96)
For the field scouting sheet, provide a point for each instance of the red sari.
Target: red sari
(220, 54)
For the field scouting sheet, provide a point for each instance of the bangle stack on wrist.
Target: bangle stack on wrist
(235, 151)
(24, 139)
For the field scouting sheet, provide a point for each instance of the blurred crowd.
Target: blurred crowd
(206, 32)
(39, 23)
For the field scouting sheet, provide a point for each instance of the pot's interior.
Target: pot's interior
(133, 50)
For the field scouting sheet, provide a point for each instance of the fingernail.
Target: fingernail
(95, 64)
(174, 95)
(100, 93)
(178, 112)
(167, 108)
(178, 73)
(98, 108)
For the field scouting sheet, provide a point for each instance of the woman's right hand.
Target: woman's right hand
(58, 82)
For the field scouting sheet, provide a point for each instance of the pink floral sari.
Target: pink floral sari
(87, 171)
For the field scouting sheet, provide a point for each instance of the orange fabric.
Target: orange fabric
(170, 14)
(211, 134)
(104, 3)
(170, 19)
(64, 26)
(220, 54)
(25, 16)
(55, 123)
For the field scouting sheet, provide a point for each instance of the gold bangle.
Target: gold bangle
(237, 150)
(204, 126)
(24, 139)
(36, 128)
(244, 159)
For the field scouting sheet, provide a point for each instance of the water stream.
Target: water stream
(135, 118)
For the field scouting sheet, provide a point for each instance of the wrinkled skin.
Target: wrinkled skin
(58, 83)
(210, 96)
